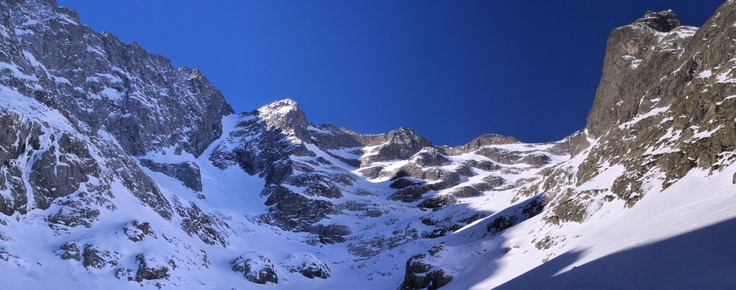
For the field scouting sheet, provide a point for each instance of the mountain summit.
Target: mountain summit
(119, 171)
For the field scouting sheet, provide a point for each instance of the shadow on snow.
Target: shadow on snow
(701, 259)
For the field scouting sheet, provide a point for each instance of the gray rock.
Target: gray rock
(371, 246)
(331, 234)
(402, 183)
(420, 275)
(499, 155)
(494, 182)
(308, 265)
(410, 194)
(663, 21)
(484, 165)
(401, 144)
(71, 251)
(536, 160)
(615, 102)
(150, 268)
(136, 231)
(438, 178)
(429, 157)
(317, 184)
(437, 202)
(501, 223)
(371, 172)
(484, 140)
(466, 191)
(293, 211)
(545, 243)
(207, 228)
(186, 172)
(516, 214)
(96, 257)
(255, 268)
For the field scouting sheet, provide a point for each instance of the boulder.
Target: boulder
(308, 265)
(421, 275)
(255, 268)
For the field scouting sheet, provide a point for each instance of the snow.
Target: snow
(726, 99)
(13, 100)
(16, 71)
(634, 61)
(638, 118)
(705, 134)
(705, 74)
(318, 130)
(107, 93)
(32, 60)
(725, 78)
(695, 202)
(347, 153)
(605, 179)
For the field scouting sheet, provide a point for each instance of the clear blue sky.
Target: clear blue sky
(451, 70)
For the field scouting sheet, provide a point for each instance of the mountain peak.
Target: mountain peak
(405, 135)
(285, 115)
(663, 21)
(279, 109)
(280, 106)
(491, 139)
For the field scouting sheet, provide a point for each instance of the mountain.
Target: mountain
(119, 171)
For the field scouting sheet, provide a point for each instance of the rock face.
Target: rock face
(207, 228)
(116, 86)
(71, 154)
(663, 108)
(627, 48)
(399, 144)
(187, 172)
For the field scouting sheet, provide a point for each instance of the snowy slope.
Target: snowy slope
(118, 171)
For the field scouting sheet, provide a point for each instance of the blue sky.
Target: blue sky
(451, 70)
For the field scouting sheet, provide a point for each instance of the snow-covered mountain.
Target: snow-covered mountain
(119, 171)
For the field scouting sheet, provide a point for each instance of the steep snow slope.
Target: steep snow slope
(677, 238)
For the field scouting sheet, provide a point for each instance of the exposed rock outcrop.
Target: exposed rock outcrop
(99, 258)
(420, 275)
(152, 267)
(308, 265)
(255, 268)
(186, 172)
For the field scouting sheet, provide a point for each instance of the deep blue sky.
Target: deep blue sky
(451, 70)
